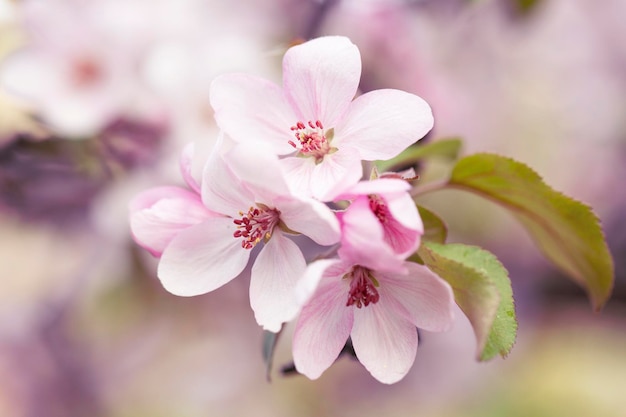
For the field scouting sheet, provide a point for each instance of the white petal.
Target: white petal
(311, 218)
(202, 258)
(222, 191)
(259, 169)
(382, 123)
(321, 77)
(334, 174)
(251, 109)
(276, 271)
(384, 342)
(298, 172)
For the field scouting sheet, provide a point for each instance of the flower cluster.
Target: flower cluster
(290, 162)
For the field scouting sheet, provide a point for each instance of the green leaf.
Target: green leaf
(444, 148)
(526, 6)
(565, 230)
(270, 340)
(482, 289)
(435, 230)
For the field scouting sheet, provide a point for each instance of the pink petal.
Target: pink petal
(222, 191)
(420, 296)
(306, 287)
(252, 109)
(276, 271)
(402, 207)
(323, 328)
(159, 214)
(382, 123)
(362, 241)
(384, 342)
(321, 77)
(403, 227)
(186, 165)
(311, 218)
(202, 258)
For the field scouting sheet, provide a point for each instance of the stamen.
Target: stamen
(311, 140)
(363, 290)
(257, 224)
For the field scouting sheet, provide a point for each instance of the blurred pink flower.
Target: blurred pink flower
(314, 115)
(381, 222)
(78, 67)
(247, 189)
(378, 309)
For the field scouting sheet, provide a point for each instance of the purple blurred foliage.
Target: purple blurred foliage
(56, 179)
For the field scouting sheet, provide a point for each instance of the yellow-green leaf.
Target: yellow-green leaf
(482, 289)
(435, 230)
(565, 230)
(442, 148)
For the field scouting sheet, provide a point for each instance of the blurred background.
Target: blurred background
(98, 98)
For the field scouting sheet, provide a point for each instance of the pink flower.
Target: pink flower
(382, 218)
(247, 189)
(378, 309)
(313, 119)
(159, 214)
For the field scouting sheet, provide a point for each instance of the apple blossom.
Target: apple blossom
(313, 119)
(382, 217)
(247, 189)
(378, 309)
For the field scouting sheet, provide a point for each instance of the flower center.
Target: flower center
(362, 288)
(258, 223)
(311, 140)
(86, 72)
(378, 207)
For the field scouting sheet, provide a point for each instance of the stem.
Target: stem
(428, 188)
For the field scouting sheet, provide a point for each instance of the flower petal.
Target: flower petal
(382, 123)
(404, 227)
(334, 174)
(378, 186)
(159, 214)
(252, 109)
(276, 271)
(259, 169)
(323, 328)
(202, 258)
(311, 218)
(222, 191)
(186, 166)
(362, 241)
(298, 172)
(384, 342)
(421, 296)
(306, 287)
(321, 77)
